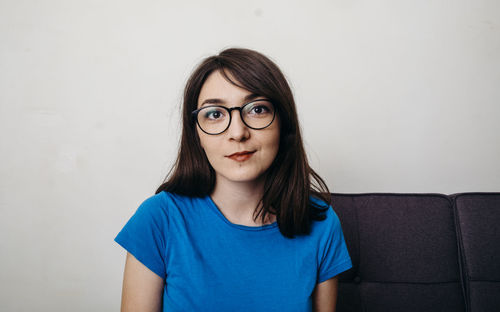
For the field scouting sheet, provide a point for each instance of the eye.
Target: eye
(213, 113)
(259, 109)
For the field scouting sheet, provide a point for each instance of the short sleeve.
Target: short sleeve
(144, 235)
(334, 257)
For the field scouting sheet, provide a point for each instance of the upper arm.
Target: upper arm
(142, 289)
(325, 295)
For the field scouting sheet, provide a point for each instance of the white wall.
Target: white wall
(394, 96)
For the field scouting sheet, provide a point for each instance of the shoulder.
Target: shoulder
(166, 203)
(165, 199)
(153, 204)
(328, 211)
(331, 221)
(156, 205)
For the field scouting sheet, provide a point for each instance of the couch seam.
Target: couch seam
(462, 259)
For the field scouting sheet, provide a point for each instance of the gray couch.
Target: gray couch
(420, 252)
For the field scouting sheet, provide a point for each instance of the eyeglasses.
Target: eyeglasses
(215, 119)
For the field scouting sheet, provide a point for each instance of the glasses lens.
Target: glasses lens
(213, 119)
(258, 114)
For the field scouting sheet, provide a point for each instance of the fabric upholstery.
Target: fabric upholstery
(478, 218)
(407, 252)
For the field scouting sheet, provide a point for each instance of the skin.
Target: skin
(325, 295)
(238, 189)
(142, 289)
(238, 185)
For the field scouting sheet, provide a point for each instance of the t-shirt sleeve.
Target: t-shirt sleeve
(334, 257)
(144, 235)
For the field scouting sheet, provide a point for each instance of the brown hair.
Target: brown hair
(289, 182)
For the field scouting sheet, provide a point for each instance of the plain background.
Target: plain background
(393, 96)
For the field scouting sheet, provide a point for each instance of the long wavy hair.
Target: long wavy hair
(289, 182)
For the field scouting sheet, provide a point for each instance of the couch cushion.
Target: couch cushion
(478, 216)
(404, 253)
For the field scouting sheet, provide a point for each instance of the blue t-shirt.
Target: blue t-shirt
(211, 264)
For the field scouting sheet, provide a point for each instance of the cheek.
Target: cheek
(276, 148)
(276, 134)
(273, 144)
(201, 138)
(209, 145)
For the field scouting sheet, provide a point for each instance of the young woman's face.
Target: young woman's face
(239, 154)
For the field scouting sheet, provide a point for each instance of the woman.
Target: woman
(199, 244)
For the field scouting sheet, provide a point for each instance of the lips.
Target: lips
(241, 156)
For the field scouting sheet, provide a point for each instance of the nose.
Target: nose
(237, 130)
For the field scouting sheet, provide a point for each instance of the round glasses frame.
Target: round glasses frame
(194, 114)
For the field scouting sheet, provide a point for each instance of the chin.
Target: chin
(243, 177)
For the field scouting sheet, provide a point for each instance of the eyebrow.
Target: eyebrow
(246, 99)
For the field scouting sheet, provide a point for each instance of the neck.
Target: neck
(238, 200)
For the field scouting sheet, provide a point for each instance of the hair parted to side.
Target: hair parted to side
(289, 182)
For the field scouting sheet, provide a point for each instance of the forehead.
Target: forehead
(216, 86)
